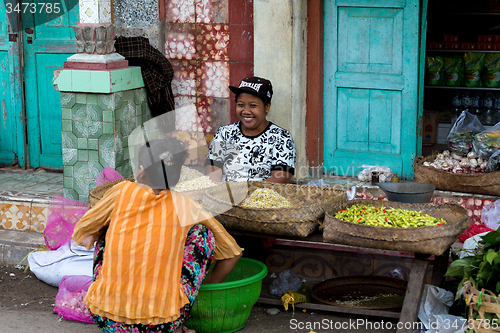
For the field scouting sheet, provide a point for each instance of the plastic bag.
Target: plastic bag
(395, 273)
(52, 266)
(435, 70)
(287, 280)
(69, 299)
(454, 71)
(385, 173)
(317, 182)
(435, 302)
(494, 162)
(63, 215)
(470, 245)
(487, 142)
(107, 175)
(461, 134)
(492, 70)
(490, 215)
(474, 63)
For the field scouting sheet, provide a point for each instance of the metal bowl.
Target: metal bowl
(408, 192)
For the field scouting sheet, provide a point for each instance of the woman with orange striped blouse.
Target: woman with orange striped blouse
(153, 249)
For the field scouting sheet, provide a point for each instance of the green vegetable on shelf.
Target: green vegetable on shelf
(387, 217)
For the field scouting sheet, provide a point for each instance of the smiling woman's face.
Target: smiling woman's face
(252, 112)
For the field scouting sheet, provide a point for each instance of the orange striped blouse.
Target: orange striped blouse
(140, 279)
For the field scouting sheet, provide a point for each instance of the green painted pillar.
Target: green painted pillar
(100, 108)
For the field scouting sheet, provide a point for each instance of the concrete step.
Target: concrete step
(16, 245)
(25, 196)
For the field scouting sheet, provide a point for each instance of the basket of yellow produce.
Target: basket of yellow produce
(192, 183)
(421, 228)
(270, 208)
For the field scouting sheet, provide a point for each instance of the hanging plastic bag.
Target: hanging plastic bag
(490, 215)
(494, 162)
(69, 302)
(63, 215)
(287, 280)
(461, 134)
(487, 142)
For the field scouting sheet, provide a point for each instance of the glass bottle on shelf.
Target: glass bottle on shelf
(477, 105)
(489, 109)
(456, 106)
(466, 101)
(496, 107)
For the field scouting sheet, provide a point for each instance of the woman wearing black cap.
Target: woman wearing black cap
(252, 148)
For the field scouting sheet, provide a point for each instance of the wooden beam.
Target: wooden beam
(162, 26)
(440, 267)
(333, 308)
(416, 283)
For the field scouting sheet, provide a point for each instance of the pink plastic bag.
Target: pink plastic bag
(69, 299)
(63, 215)
(107, 175)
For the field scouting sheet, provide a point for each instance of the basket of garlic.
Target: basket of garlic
(270, 208)
(452, 172)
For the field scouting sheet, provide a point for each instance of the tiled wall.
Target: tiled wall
(210, 45)
(23, 216)
(95, 134)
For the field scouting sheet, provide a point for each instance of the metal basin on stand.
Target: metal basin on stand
(408, 192)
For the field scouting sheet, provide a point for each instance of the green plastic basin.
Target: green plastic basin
(225, 307)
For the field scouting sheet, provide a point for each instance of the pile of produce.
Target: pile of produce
(453, 162)
(191, 179)
(266, 198)
(387, 217)
(461, 141)
(482, 269)
(377, 300)
(487, 143)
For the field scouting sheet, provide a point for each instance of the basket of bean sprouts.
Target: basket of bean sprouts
(192, 183)
(271, 208)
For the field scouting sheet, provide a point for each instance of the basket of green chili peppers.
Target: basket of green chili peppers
(420, 228)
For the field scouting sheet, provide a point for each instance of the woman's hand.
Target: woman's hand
(279, 176)
(214, 173)
(221, 270)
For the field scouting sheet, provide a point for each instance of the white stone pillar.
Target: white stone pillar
(95, 38)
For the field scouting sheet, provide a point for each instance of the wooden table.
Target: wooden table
(414, 291)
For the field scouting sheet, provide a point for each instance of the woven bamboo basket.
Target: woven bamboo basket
(97, 193)
(484, 302)
(309, 203)
(486, 183)
(426, 240)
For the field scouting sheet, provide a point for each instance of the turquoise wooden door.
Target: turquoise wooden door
(11, 102)
(371, 85)
(48, 42)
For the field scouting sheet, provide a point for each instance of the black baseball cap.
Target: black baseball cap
(255, 86)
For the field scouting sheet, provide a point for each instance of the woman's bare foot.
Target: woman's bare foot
(184, 329)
